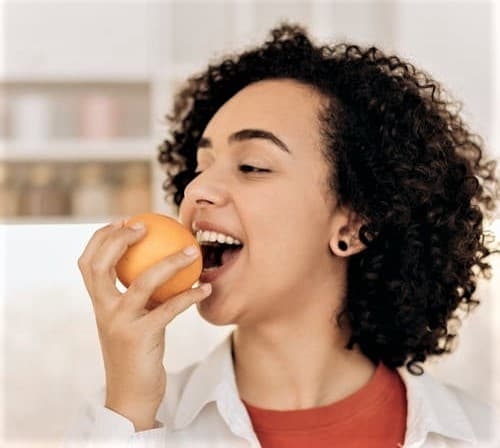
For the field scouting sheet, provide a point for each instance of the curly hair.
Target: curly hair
(400, 156)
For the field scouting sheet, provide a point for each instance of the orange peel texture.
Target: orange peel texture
(164, 236)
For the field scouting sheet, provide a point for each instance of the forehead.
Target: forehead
(286, 107)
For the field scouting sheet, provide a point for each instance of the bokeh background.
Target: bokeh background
(84, 87)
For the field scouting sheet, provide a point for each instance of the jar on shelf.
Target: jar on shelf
(92, 196)
(31, 117)
(98, 117)
(9, 193)
(3, 115)
(43, 195)
(133, 194)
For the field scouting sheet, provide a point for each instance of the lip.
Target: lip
(210, 276)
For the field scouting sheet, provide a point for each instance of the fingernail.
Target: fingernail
(137, 226)
(191, 251)
(206, 287)
(118, 223)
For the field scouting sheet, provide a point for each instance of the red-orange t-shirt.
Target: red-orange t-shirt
(372, 417)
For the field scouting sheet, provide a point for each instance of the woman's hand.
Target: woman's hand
(132, 336)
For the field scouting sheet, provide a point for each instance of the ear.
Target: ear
(345, 227)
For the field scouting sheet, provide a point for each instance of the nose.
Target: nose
(207, 188)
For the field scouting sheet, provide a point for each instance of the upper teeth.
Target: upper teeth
(205, 236)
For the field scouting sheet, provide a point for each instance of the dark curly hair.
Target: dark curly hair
(401, 158)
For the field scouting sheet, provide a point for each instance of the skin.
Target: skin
(289, 351)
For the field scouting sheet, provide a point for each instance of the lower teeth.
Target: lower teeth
(211, 268)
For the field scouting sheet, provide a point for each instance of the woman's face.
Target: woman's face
(279, 209)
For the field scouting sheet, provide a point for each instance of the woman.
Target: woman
(357, 194)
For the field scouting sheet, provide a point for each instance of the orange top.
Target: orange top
(372, 417)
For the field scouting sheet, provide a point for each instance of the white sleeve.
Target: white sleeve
(96, 426)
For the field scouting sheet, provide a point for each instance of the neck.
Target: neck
(297, 366)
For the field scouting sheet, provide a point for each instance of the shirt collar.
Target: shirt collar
(432, 407)
(213, 380)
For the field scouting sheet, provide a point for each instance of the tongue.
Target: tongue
(229, 253)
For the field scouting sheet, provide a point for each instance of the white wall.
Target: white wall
(496, 78)
(454, 41)
(63, 37)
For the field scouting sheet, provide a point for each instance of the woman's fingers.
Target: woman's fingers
(97, 262)
(141, 289)
(111, 250)
(88, 254)
(116, 245)
(163, 314)
(95, 242)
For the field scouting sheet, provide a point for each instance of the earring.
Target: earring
(342, 245)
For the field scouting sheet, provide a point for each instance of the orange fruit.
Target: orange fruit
(164, 236)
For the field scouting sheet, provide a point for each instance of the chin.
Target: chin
(213, 311)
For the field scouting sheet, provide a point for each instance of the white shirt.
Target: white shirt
(203, 409)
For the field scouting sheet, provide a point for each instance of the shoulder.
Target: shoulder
(448, 411)
(484, 417)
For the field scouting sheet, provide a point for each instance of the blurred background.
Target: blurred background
(84, 87)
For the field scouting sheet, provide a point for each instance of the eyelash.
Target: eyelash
(252, 169)
(245, 169)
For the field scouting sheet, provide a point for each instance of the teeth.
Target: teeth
(204, 236)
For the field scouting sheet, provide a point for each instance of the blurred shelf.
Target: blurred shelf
(78, 150)
(173, 71)
(141, 64)
(73, 78)
(45, 220)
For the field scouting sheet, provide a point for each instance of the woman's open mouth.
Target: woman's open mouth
(219, 253)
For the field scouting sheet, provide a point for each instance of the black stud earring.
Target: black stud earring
(342, 245)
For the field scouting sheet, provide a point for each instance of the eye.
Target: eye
(252, 169)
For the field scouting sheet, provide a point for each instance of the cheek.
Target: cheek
(287, 232)
(275, 236)
(185, 212)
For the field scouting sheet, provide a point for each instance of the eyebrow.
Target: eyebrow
(248, 134)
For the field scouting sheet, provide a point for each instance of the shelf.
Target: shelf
(174, 71)
(61, 77)
(78, 150)
(44, 220)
